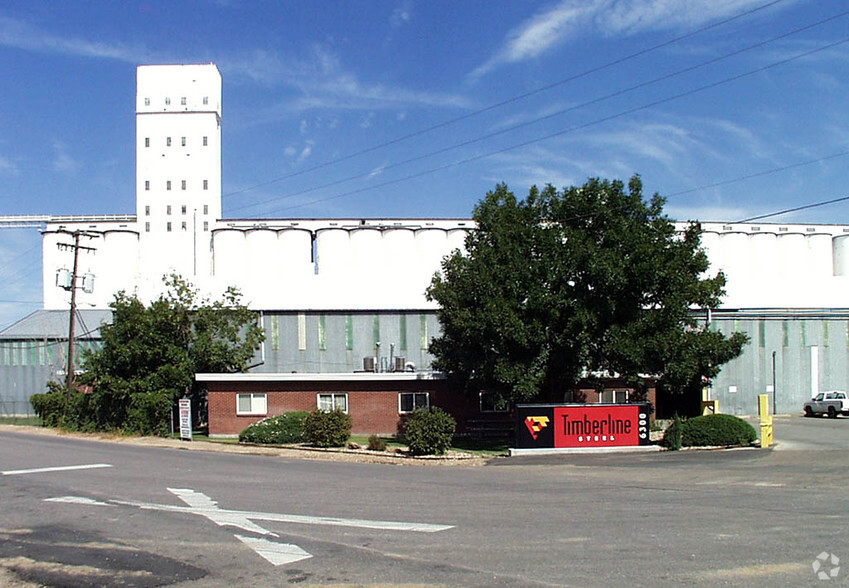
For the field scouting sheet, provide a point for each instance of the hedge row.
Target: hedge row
(721, 430)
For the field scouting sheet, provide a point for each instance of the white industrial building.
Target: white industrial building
(330, 289)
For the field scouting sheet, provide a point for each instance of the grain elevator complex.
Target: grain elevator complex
(332, 292)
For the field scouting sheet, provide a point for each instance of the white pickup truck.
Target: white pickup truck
(830, 403)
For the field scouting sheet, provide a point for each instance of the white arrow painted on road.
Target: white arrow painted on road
(276, 553)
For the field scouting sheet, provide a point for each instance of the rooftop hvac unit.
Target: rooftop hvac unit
(400, 364)
(368, 364)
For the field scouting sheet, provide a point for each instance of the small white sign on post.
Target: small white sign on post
(185, 419)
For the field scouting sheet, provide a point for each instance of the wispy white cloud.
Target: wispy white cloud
(62, 160)
(8, 167)
(319, 78)
(557, 24)
(401, 15)
(22, 35)
(319, 81)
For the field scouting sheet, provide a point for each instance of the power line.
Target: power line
(511, 100)
(761, 173)
(550, 115)
(577, 127)
(796, 209)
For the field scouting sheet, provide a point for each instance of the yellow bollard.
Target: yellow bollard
(766, 421)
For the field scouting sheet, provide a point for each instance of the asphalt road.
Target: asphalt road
(141, 516)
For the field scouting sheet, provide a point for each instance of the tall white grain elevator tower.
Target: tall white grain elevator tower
(178, 169)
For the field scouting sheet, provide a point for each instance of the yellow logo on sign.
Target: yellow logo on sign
(536, 424)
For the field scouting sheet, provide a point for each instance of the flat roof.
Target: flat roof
(316, 377)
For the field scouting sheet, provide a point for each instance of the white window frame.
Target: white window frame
(481, 394)
(615, 395)
(334, 400)
(415, 406)
(258, 402)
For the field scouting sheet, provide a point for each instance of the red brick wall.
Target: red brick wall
(373, 406)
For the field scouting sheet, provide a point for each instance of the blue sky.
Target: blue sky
(314, 90)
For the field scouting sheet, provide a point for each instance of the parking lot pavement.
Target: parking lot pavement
(797, 433)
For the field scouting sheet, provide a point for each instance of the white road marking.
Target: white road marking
(277, 554)
(90, 466)
(78, 500)
(201, 504)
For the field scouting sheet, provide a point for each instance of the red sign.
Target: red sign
(582, 425)
(599, 426)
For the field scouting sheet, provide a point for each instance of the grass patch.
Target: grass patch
(479, 447)
(30, 421)
(482, 447)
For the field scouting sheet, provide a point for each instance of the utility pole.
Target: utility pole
(69, 282)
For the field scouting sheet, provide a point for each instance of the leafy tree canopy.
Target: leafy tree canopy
(587, 279)
(155, 351)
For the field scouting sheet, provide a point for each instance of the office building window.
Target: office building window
(168, 141)
(183, 141)
(205, 226)
(206, 208)
(147, 101)
(168, 226)
(206, 99)
(167, 184)
(183, 209)
(410, 401)
(206, 184)
(183, 184)
(147, 210)
(167, 101)
(328, 402)
(205, 142)
(183, 101)
(168, 209)
(251, 403)
(147, 141)
(147, 227)
(184, 225)
(147, 184)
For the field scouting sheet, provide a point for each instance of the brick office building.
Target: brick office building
(377, 402)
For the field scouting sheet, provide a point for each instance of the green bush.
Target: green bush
(148, 413)
(277, 430)
(375, 443)
(717, 429)
(327, 428)
(50, 407)
(672, 437)
(429, 431)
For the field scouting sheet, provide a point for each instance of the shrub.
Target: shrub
(327, 428)
(672, 437)
(375, 443)
(429, 431)
(277, 430)
(49, 406)
(717, 429)
(148, 413)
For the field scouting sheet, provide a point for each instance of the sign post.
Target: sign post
(185, 419)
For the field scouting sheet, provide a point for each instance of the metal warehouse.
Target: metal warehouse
(333, 291)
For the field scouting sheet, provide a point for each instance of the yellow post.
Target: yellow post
(766, 420)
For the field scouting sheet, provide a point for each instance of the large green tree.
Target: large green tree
(590, 279)
(150, 354)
